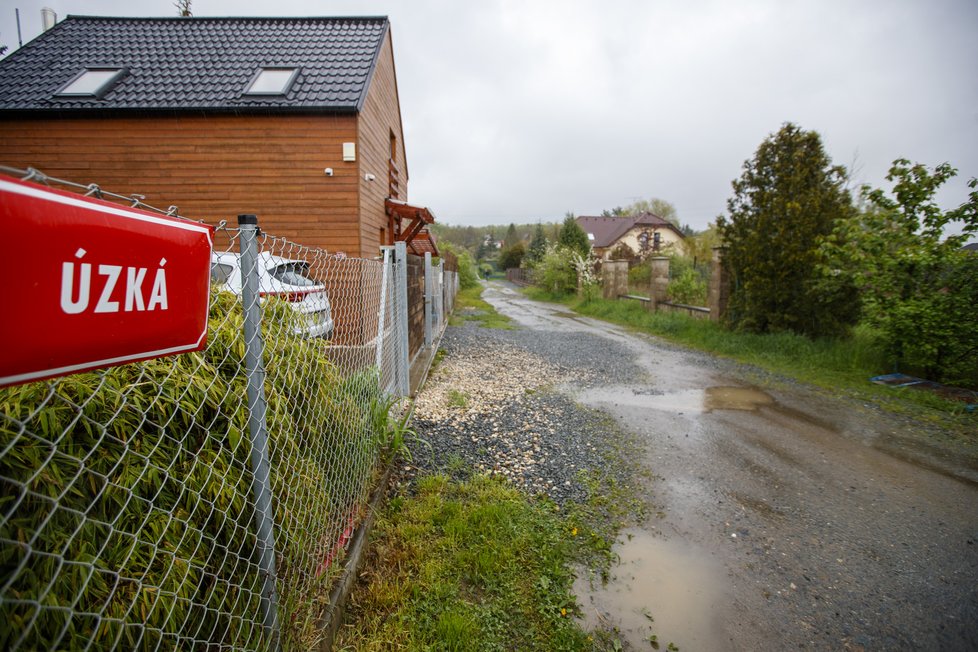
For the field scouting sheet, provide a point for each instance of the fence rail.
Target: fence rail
(204, 501)
(519, 276)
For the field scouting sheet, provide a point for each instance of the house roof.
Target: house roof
(197, 64)
(606, 231)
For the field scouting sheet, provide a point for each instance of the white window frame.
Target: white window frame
(283, 89)
(86, 77)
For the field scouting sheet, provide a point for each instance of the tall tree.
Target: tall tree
(511, 236)
(538, 245)
(918, 286)
(656, 206)
(699, 246)
(787, 199)
(573, 236)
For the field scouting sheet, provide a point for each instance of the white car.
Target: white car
(285, 279)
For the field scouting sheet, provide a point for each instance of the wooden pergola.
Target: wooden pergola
(409, 224)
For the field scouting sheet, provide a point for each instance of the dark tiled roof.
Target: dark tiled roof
(607, 230)
(200, 64)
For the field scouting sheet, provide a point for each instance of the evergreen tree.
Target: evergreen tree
(573, 236)
(538, 245)
(511, 236)
(788, 198)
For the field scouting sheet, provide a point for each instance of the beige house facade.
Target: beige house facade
(632, 237)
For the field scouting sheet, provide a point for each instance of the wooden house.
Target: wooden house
(294, 119)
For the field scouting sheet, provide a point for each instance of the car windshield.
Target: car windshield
(220, 273)
(293, 273)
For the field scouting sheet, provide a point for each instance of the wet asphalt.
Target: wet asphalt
(789, 518)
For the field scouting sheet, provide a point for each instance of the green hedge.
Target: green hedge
(126, 499)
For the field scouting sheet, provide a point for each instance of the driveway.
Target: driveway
(789, 518)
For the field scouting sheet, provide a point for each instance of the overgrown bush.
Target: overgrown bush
(512, 255)
(640, 275)
(917, 285)
(588, 282)
(129, 492)
(556, 272)
(688, 288)
(468, 275)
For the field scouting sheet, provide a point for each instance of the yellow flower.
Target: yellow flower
(574, 532)
(563, 612)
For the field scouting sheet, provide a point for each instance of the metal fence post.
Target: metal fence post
(402, 342)
(382, 316)
(429, 291)
(257, 430)
(440, 297)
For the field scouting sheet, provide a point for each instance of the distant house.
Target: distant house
(634, 236)
(294, 119)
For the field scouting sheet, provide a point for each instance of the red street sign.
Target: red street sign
(90, 284)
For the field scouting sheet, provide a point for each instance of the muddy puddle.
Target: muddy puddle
(690, 400)
(659, 588)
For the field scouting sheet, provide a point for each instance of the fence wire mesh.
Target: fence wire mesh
(127, 516)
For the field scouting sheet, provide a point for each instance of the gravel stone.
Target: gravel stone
(492, 406)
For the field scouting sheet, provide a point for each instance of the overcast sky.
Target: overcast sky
(522, 110)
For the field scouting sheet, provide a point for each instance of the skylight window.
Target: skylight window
(272, 81)
(93, 82)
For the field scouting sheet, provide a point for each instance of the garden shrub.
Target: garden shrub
(640, 275)
(556, 272)
(688, 288)
(129, 490)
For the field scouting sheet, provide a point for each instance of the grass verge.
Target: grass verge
(471, 565)
(475, 564)
(842, 366)
(469, 306)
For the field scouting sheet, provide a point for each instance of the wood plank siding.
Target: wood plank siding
(380, 117)
(211, 167)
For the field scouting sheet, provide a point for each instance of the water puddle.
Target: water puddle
(735, 398)
(690, 400)
(660, 588)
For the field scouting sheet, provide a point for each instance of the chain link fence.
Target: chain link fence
(204, 501)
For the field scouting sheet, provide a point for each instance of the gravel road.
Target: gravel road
(790, 519)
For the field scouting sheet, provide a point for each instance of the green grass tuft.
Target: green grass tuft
(463, 566)
(469, 306)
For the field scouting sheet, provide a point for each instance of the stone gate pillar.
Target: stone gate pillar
(719, 291)
(614, 278)
(659, 280)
